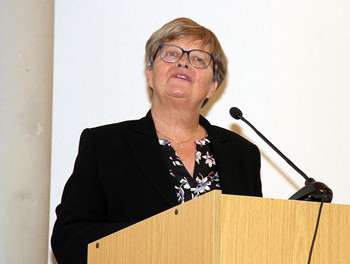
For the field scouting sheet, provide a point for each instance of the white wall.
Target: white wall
(288, 72)
(26, 59)
(309, 94)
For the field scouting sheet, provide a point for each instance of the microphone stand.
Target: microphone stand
(313, 190)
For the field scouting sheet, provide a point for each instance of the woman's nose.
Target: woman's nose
(183, 62)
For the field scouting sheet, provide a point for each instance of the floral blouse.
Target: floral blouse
(205, 176)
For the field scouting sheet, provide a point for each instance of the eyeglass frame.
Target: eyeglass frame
(188, 55)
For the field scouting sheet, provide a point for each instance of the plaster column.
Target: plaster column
(26, 59)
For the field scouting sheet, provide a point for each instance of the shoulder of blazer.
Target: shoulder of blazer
(113, 131)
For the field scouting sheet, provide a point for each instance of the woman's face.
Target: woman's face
(180, 81)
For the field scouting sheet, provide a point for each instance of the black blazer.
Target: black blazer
(120, 177)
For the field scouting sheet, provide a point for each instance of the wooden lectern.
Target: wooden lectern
(217, 228)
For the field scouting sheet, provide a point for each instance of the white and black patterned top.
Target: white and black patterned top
(205, 176)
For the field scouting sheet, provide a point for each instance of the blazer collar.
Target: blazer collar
(226, 154)
(146, 150)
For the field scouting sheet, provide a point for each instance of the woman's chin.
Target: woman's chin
(178, 94)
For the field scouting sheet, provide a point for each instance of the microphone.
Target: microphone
(313, 190)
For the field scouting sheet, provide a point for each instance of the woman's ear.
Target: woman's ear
(212, 90)
(149, 75)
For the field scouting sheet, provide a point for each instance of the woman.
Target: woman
(132, 170)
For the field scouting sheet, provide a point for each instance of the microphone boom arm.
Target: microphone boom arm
(312, 191)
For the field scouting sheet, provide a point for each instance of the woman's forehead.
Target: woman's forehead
(189, 43)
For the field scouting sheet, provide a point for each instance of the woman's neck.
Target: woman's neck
(177, 123)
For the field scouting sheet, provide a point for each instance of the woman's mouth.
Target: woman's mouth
(182, 76)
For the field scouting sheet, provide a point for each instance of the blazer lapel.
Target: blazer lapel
(226, 155)
(146, 150)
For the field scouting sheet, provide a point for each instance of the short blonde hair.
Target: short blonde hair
(185, 27)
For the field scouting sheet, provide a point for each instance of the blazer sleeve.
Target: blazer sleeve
(82, 214)
(256, 182)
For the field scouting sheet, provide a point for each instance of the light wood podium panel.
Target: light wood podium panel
(216, 229)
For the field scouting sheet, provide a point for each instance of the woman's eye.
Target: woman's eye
(198, 59)
(172, 54)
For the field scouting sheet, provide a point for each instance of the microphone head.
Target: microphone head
(236, 113)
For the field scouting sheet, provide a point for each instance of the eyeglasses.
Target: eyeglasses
(172, 54)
